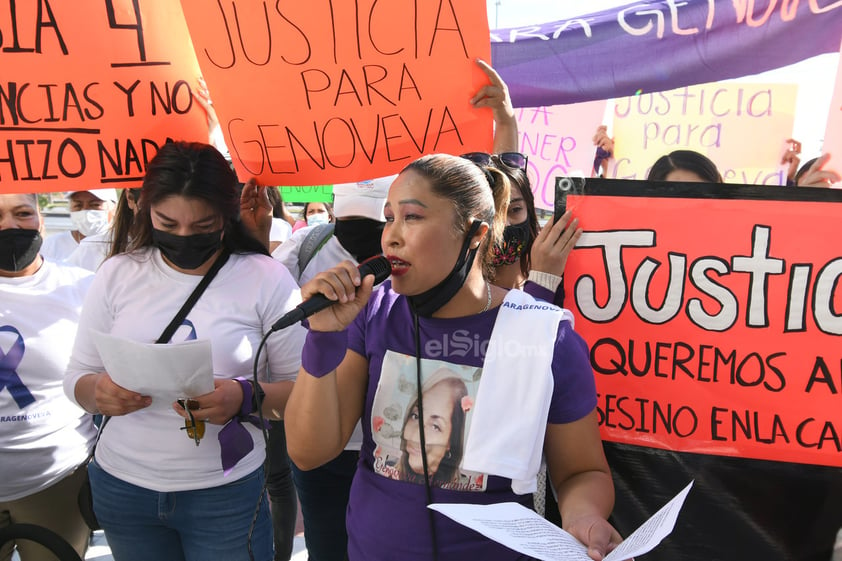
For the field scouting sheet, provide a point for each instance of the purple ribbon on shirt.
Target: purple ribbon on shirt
(9, 377)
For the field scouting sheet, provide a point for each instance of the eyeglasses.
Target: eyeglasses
(512, 160)
(195, 428)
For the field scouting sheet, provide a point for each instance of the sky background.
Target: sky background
(815, 77)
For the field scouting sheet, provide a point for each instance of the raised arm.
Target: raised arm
(256, 211)
(496, 96)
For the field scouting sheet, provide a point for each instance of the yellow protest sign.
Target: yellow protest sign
(740, 126)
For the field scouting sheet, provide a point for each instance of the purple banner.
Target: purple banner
(660, 45)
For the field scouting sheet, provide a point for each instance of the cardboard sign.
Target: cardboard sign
(713, 317)
(90, 90)
(307, 194)
(340, 91)
(741, 127)
(558, 141)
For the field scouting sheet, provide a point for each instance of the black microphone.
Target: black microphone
(378, 266)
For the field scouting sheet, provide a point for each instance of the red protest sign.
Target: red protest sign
(324, 92)
(713, 317)
(90, 90)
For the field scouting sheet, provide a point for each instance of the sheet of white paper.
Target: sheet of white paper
(518, 528)
(651, 532)
(163, 372)
(524, 531)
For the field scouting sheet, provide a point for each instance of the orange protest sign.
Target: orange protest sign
(740, 126)
(713, 317)
(338, 91)
(558, 141)
(90, 90)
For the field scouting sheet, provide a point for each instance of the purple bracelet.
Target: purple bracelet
(248, 393)
(323, 351)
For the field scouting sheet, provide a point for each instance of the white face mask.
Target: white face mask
(318, 218)
(89, 222)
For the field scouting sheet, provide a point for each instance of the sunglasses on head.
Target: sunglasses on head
(512, 160)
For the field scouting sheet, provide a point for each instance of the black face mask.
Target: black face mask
(426, 303)
(18, 248)
(360, 237)
(187, 252)
(516, 238)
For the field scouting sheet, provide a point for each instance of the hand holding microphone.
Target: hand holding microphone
(339, 293)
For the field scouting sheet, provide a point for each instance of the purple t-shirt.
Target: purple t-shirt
(387, 514)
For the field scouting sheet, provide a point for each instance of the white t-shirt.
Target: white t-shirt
(48, 438)
(281, 230)
(58, 247)
(135, 296)
(330, 255)
(91, 251)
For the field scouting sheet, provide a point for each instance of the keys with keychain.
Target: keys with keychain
(195, 427)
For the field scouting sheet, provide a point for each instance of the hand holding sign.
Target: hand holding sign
(553, 245)
(817, 176)
(256, 210)
(602, 140)
(496, 96)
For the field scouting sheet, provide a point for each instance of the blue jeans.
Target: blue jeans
(323, 494)
(212, 523)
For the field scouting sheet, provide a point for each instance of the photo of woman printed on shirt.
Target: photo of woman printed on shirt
(447, 392)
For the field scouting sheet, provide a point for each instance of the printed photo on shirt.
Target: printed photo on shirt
(448, 392)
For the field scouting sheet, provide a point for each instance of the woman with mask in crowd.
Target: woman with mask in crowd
(313, 214)
(93, 250)
(45, 438)
(158, 492)
(91, 213)
(443, 215)
(529, 257)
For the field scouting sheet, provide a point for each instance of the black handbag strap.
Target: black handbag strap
(167, 334)
(194, 296)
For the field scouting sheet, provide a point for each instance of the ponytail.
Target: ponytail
(501, 189)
